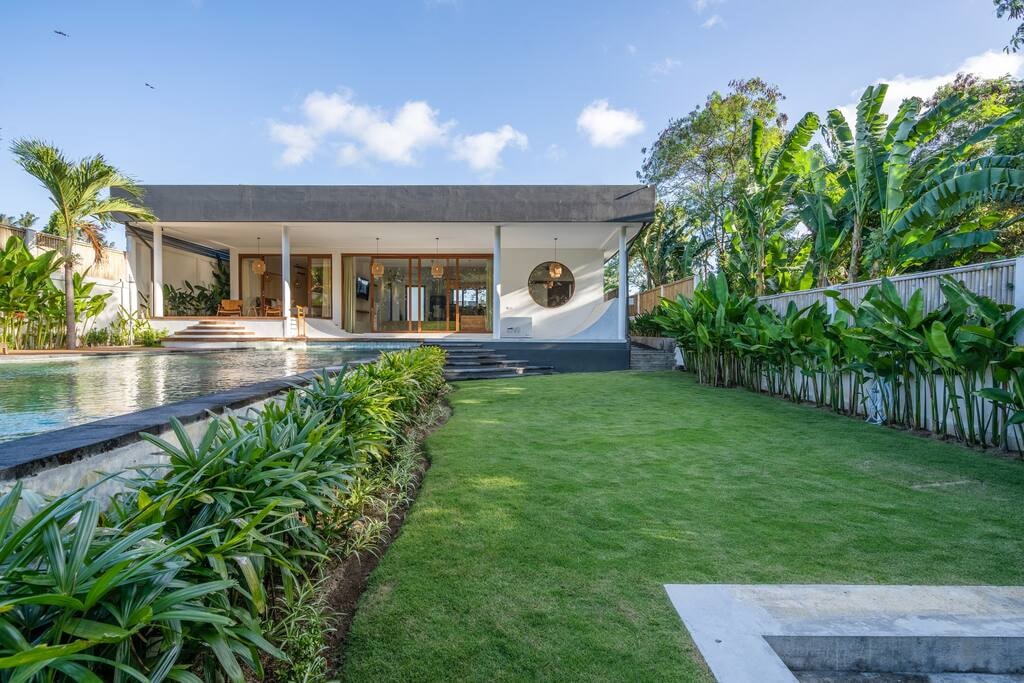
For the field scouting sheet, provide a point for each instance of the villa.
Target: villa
(505, 264)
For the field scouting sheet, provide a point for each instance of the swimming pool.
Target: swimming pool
(52, 393)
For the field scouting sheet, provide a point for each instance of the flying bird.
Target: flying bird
(150, 86)
(61, 33)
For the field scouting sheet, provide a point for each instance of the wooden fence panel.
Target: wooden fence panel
(649, 300)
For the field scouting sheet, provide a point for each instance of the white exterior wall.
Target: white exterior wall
(587, 266)
(179, 266)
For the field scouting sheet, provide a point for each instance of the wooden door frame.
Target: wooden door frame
(419, 278)
(328, 257)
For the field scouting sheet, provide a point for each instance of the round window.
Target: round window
(552, 284)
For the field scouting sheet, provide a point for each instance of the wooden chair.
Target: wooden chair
(272, 311)
(230, 307)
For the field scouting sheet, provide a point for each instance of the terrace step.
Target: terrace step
(461, 374)
(470, 360)
(212, 332)
(479, 362)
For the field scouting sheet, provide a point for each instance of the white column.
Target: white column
(158, 272)
(233, 276)
(623, 284)
(336, 288)
(286, 278)
(131, 253)
(496, 286)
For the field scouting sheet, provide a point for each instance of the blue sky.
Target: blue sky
(438, 91)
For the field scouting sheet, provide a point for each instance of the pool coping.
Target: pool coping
(28, 455)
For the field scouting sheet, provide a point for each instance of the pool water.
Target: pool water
(53, 393)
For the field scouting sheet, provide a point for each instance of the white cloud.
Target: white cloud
(483, 151)
(665, 66)
(366, 131)
(713, 21)
(300, 142)
(631, 49)
(990, 64)
(700, 5)
(607, 127)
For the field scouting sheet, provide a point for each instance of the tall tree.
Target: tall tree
(670, 248)
(26, 220)
(80, 194)
(701, 161)
(1014, 10)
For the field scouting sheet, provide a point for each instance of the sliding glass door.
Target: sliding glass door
(422, 293)
(262, 292)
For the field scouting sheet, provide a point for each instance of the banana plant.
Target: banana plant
(824, 217)
(936, 370)
(763, 213)
(910, 197)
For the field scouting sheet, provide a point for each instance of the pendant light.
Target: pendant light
(437, 269)
(555, 268)
(377, 269)
(259, 266)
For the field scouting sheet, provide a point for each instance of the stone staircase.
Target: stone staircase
(467, 360)
(647, 358)
(224, 333)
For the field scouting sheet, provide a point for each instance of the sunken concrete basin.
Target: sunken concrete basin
(837, 633)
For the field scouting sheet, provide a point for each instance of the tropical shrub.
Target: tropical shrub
(32, 310)
(954, 371)
(83, 601)
(192, 299)
(129, 328)
(645, 325)
(188, 571)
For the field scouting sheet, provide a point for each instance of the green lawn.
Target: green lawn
(557, 506)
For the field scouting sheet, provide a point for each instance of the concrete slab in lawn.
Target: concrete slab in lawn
(765, 633)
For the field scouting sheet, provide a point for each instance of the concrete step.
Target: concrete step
(454, 345)
(207, 332)
(478, 362)
(496, 373)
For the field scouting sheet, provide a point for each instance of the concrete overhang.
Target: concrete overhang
(488, 204)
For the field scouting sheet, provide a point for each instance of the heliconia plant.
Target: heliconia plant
(955, 370)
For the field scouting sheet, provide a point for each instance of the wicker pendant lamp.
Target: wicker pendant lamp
(259, 266)
(377, 269)
(555, 268)
(437, 269)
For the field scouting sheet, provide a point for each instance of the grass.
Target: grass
(557, 507)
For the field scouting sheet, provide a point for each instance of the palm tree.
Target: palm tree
(26, 220)
(82, 204)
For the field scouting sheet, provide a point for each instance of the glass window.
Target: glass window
(471, 298)
(552, 284)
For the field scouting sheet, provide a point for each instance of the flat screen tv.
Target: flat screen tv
(362, 288)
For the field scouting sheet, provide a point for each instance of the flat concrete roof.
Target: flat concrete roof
(402, 203)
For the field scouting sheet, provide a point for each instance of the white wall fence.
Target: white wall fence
(110, 273)
(994, 279)
(1002, 281)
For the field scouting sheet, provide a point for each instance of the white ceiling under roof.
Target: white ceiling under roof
(401, 237)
